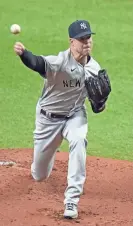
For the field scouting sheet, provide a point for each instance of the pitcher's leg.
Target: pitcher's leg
(75, 132)
(76, 170)
(47, 138)
(43, 160)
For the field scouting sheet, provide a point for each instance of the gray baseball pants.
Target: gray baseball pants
(48, 135)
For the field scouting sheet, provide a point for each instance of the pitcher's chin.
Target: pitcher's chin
(86, 52)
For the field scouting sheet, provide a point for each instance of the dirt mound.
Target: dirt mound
(107, 199)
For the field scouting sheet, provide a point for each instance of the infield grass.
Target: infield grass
(44, 31)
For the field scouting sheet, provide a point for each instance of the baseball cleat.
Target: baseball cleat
(71, 211)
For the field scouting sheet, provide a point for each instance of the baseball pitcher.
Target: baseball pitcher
(69, 78)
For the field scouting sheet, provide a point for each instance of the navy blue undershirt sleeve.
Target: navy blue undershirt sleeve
(35, 63)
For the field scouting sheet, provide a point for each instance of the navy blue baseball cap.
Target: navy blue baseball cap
(79, 29)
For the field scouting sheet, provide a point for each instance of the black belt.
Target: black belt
(52, 115)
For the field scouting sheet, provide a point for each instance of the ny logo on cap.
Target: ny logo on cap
(83, 26)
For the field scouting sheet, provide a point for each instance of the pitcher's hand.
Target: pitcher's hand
(19, 48)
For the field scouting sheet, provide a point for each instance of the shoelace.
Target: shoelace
(70, 206)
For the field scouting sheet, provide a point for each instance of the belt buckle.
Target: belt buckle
(48, 114)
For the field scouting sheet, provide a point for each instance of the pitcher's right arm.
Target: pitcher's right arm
(34, 62)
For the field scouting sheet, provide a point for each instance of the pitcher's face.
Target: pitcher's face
(82, 45)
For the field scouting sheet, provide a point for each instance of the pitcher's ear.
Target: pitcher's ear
(70, 40)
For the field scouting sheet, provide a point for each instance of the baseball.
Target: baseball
(15, 29)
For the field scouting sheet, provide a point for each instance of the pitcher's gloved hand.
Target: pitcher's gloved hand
(98, 89)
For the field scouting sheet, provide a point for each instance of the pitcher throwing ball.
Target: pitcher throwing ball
(70, 77)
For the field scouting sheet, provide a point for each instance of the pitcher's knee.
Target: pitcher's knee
(38, 175)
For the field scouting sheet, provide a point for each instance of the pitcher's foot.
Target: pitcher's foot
(71, 211)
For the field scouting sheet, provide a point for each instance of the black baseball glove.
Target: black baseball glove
(98, 89)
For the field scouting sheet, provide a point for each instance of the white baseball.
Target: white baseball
(15, 29)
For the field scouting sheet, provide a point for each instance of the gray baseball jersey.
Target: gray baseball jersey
(64, 90)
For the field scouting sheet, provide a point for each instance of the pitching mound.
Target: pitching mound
(107, 198)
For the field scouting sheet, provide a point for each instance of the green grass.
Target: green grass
(44, 31)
